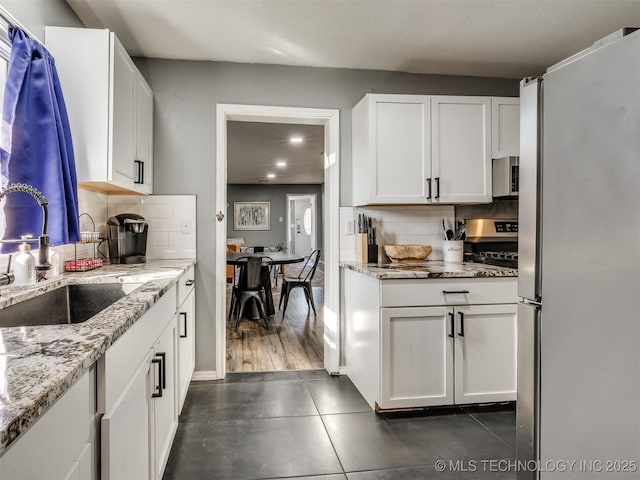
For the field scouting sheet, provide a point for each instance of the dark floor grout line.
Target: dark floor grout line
(204, 420)
(488, 429)
(335, 451)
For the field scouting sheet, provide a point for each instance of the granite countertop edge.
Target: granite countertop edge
(41, 363)
(431, 269)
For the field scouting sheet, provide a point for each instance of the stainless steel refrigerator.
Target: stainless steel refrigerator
(579, 266)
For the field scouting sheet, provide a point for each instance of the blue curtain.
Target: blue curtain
(40, 152)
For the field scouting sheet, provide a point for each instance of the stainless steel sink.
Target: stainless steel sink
(64, 305)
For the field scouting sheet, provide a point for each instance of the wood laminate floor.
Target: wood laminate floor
(294, 342)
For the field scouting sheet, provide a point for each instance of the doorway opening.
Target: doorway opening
(302, 229)
(306, 335)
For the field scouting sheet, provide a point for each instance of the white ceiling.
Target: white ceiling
(254, 148)
(498, 38)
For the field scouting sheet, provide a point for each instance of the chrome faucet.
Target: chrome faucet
(43, 240)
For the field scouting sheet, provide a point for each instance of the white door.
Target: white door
(143, 168)
(461, 149)
(302, 229)
(505, 127)
(416, 357)
(122, 116)
(400, 150)
(165, 405)
(127, 430)
(485, 353)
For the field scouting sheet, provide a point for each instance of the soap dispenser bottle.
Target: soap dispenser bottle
(24, 266)
(54, 261)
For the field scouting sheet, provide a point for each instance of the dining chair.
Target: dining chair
(303, 279)
(249, 287)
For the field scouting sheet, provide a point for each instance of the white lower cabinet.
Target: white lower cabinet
(126, 429)
(62, 444)
(137, 389)
(400, 354)
(186, 346)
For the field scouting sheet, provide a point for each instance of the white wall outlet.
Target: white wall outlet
(185, 225)
(351, 229)
(281, 219)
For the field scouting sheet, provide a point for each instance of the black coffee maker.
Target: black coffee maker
(127, 238)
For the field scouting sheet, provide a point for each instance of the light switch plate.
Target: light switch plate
(185, 225)
(351, 227)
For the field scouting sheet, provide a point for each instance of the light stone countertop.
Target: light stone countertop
(429, 269)
(38, 364)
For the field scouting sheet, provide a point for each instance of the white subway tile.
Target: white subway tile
(164, 224)
(157, 238)
(182, 239)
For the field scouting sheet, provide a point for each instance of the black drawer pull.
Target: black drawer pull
(188, 283)
(455, 292)
(437, 196)
(429, 188)
(163, 356)
(461, 332)
(184, 316)
(452, 325)
(157, 389)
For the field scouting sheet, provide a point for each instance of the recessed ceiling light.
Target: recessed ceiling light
(281, 163)
(296, 139)
(271, 175)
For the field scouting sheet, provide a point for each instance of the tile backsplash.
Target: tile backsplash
(171, 218)
(420, 225)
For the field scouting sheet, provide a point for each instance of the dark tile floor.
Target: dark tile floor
(309, 425)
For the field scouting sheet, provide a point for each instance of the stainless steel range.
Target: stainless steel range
(492, 242)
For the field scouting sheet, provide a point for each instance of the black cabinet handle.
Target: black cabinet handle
(455, 292)
(163, 356)
(190, 282)
(140, 173)
(461, 332)
(437, 188)
(429, 189)
(452, 324)
(184, 316)
(157, 389)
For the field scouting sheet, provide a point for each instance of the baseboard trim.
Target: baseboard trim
(342, 370)
(204, 375)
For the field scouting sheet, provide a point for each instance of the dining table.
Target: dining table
(277, 258)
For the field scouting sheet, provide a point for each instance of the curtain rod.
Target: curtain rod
(11, 20)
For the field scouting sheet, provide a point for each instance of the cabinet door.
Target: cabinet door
(122, 116)
(186, 345)
(143, 169)
(416, 357)
(127, 429)
(505, 127)
(165, 411)
(400, 149)
(461, 149)
(485, 353)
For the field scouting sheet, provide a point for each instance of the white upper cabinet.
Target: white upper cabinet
(461, 149)
(391, 149)
(418, 149)
(505, 127)
(110, 109)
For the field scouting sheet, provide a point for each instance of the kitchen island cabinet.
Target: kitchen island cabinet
(110, 108)
(429, 339)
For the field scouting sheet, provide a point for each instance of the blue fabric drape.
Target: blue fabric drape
(40, 152)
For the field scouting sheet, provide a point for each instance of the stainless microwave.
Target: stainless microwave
(505, 176)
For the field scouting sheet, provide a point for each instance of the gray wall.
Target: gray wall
(277, 195)
(186, 94)
(35, 14)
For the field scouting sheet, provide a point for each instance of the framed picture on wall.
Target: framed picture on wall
(252, 215)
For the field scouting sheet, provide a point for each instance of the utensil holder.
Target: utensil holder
(452, 250)
(372, 253)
